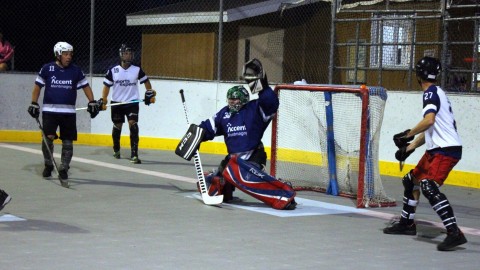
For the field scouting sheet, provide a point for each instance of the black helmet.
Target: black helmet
(124, 48)
(428, 68)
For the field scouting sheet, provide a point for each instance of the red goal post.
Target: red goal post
(326, 138)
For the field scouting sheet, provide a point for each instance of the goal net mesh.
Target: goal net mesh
(319, 133)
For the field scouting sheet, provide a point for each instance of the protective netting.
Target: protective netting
(300, 148)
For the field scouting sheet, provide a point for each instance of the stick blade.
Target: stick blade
(212, 200)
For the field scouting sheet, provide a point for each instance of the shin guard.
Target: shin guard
(256, 183)
(116, 133)
(67, 153)
(46, 156)
(409, 202)
(134, 139)
(440, 204)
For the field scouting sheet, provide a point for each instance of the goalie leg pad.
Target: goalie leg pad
(188, 146)
(256, 183)
(215, 184)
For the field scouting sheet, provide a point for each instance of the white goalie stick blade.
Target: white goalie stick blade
(207, 199)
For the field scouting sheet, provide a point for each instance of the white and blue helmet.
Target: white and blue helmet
(61, 47)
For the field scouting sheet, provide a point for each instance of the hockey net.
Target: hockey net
(326, 137)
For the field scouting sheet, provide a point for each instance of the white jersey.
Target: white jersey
(124, 82)
(444, 132)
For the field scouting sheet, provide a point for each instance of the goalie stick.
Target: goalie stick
(115, 104)
(63, 183)
(207, 199)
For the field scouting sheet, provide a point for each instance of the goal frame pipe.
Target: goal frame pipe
(332, 188)
(364, 94)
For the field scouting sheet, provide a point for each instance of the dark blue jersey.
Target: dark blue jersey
(243, 131)
(61, 85)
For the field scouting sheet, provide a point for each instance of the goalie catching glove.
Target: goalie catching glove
(190, 142)
(401, 140)
(150, 96)
(255, 76)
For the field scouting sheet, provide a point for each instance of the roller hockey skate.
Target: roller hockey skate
(47, 171)
(135, 160)
(401, 228)
(63, 176)
(452, 240)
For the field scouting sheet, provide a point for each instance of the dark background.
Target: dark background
(34, 27)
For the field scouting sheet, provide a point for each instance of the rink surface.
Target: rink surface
(117, 215)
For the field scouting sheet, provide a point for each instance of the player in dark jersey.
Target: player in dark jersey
(242, 124)
(124, 79)
(61, 80)
(438, 131)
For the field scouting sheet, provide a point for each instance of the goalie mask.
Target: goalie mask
(126, 53)
(237, 96)
(428, 68)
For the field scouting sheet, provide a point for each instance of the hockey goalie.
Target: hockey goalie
(242, 123)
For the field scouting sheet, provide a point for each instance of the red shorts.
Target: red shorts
(435, 167)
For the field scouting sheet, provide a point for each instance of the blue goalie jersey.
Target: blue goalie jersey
(243, 131)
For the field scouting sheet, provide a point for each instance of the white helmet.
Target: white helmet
(62, 47)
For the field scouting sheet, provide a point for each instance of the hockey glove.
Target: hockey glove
(150, 96)
(402, 154)
(255, 76)
(400, 140)
(190, 142)
(102, 104)
(34, 109)
(93, 108)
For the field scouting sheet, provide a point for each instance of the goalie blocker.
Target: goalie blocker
(190, 142)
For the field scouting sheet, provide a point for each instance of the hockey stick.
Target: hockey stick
(115, 104)
(207, 199)
(44, 137)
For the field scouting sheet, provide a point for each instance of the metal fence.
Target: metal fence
(376, 42)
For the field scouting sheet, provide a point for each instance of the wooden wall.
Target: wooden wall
(182, 55)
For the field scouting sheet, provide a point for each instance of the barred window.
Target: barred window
(394, 36)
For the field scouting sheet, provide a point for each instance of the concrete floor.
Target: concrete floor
(122, 216)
